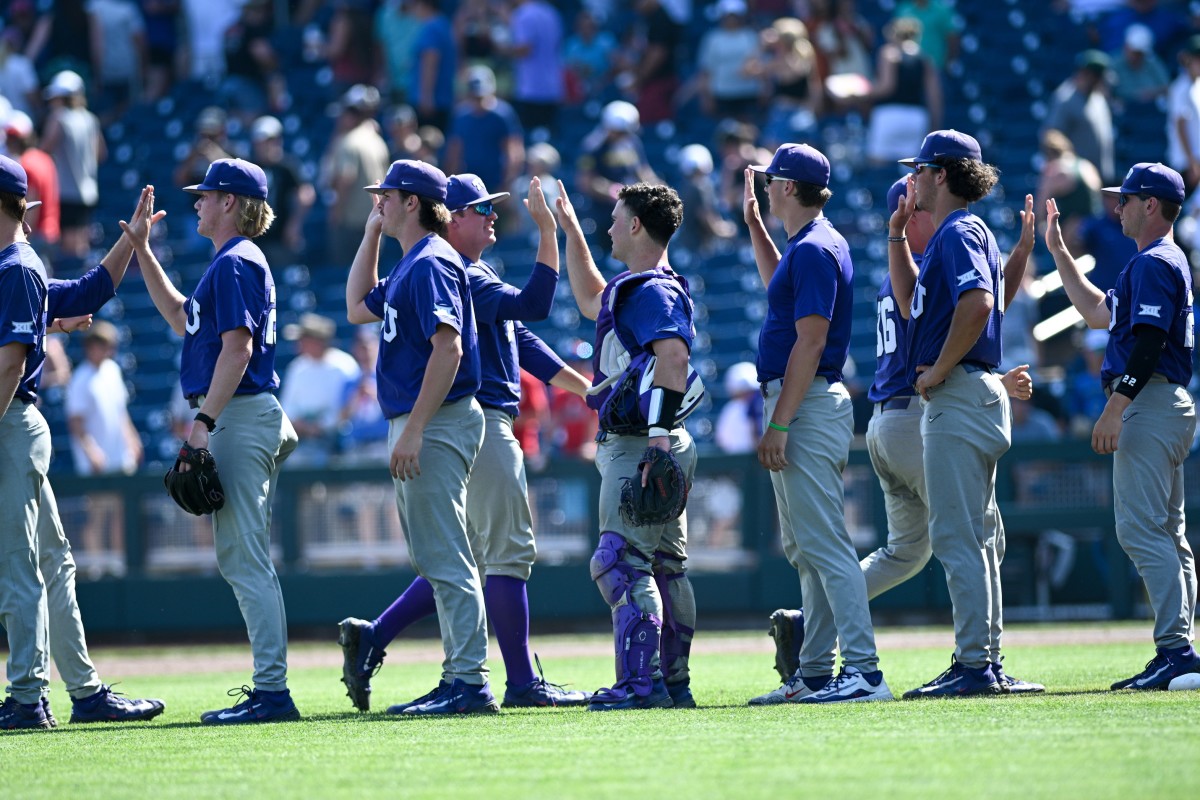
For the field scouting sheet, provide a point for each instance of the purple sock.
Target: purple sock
(508, 611)
(415, 604)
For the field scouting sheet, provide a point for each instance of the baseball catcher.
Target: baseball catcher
(659, 498)
(197, 490)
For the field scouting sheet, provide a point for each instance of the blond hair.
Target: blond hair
(254, 216)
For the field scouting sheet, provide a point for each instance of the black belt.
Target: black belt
(895, 403)
(765, 385)
(975, 366)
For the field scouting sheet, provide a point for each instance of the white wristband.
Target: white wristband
(656, 432)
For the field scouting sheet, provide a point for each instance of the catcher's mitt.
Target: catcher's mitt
(664, 496)
(197, 491)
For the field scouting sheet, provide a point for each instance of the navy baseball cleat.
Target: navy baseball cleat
(259, 706)
(457, 698)
(436, 691)
(787, 629)
(46, 710)
(1011, 685)
(109, 706)
(1166, 666)
(540, 693)
(16, 716)
(681, 694)
(959, 681)
(622, 696)
(361, 659)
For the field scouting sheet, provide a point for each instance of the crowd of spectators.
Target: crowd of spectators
(484, 86)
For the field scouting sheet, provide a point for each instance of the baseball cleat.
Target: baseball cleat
(457, 698)
(109, 706)
(16, 716)
(540, 693)
(361, 660)
(46, 710)
(681, 694)
(852, 685)
(622, 696)
(787, 629)
(259, 706)
(1011, 685)
(959, 681)
(1166, 666)
(400, 708)
(793, 690)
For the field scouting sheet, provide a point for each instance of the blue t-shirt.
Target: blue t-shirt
(435, 35)
(1155, 289)
(236, 291)
(426, 288)
(483, 135)
(891, 346)
(497, 305)
(961, 255)
(815, 276)
(23, 311)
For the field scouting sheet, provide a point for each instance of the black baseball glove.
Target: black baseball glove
(664, 496)
(197, 491)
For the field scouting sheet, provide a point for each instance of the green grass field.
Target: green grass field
(1078, 740)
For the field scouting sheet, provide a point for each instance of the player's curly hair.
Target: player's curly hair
(658, 207)
(254, 216)
(969, 179)
(13, 205)
(433, 215)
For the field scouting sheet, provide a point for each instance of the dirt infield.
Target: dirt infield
(201, 659)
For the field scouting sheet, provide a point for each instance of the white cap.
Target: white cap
(695, 158)
(620, 116)
(63, 84)
(1139, 37)
(741, 377)
(265, 128)
(19, 124)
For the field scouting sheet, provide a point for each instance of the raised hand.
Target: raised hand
(143, 218)
(566, 211)
(1054, 237)
(750, 210)
(536, 203)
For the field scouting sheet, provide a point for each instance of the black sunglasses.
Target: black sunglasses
(1123, 199)
(918, 167)
(772, 178)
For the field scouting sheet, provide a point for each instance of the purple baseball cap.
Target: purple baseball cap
(946, 144)
(414, 177)
(467, 190)
(798, 162)
(898, 190)
(1154, 180)
(234, 176)
(13, 179)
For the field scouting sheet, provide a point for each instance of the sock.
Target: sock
(415, 604)
(818, 683)
(508, 610)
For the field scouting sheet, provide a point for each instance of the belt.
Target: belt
(1157, 377)
(894, 404)
(975, 366)
(764, 388)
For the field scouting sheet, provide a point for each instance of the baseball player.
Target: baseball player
(894, 444)
(640, 571)
(1149, 419)
(38, 606)
(228, 374)
(499, 523)
(955, 303)
(802, 349)
(428, 375)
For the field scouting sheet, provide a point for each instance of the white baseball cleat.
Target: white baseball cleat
(852, 686)
(793, 691)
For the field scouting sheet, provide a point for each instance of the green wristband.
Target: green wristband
(775, 427)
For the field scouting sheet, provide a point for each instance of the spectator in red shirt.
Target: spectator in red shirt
(573, 423)
(534, 416)
(43, 179)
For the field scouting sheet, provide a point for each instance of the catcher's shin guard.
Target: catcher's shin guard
(679, 608)
(635, 631)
